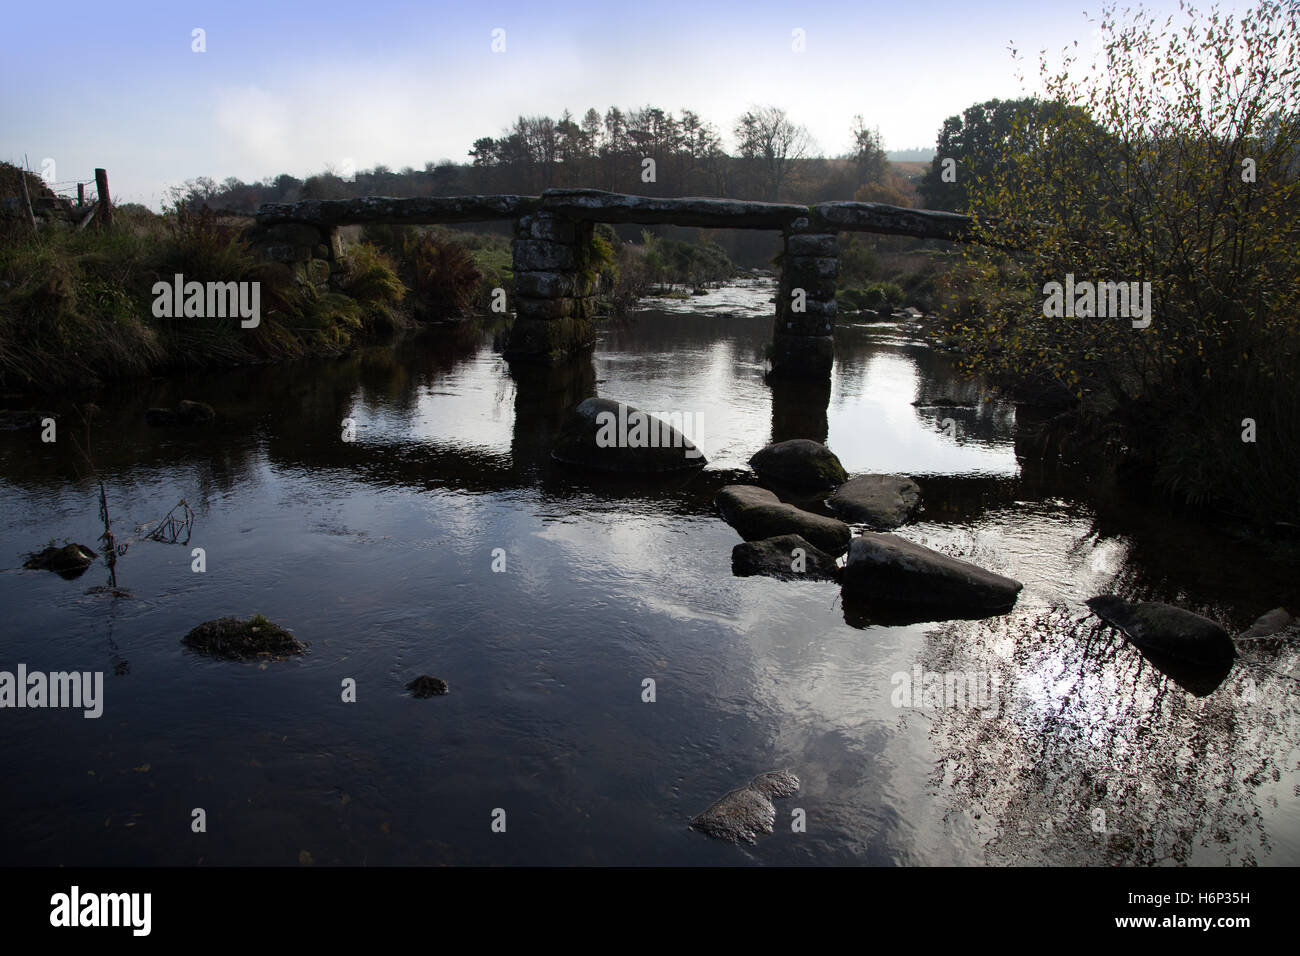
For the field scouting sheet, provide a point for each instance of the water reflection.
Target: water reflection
(379, 552)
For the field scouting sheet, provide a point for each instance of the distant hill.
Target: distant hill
(911, 170)
(915, 155)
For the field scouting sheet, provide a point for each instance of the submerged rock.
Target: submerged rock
(776, 558)
(195, 413)
(799, 463)
(186, 413)
(942, 402)
(883, 502)
(12, 420)
(69, 561)
(229, 638)
(747, 811)
(758, 514)
(888, 569)
(1278, 622)
(1167, 630)
(425, 686)
(612, 436)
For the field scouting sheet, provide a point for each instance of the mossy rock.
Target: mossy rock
(742, 814)
(69, 561)
(231, 639)
(799, 463)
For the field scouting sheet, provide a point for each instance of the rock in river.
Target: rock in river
(612, 436)
(231, 639)
(11, 420)
(1278, 622)
(882, 502)
(788, 556)
(186, 413)
(893, 570)
(68, 561)
(747, 811)
(758, 513)
(425, 687)
(1167, 630)
(799, 463)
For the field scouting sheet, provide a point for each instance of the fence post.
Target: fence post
(81, 194)
(105, 203)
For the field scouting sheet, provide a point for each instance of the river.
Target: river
(379, 553)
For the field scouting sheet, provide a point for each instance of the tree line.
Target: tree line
(647, 151)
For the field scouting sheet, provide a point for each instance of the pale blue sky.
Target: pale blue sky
(293, 87)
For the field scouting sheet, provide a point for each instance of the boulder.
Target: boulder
(231, 639)
(425, 687)
(1275, 623)
(775, 557)
(799, 463)
(1165, 630)
(758, 514)
(186, 413)
(747, 811)
(195, 413)
(882, 502)
(888, 569)
(12, 420)
(69, 561)
(611, 436)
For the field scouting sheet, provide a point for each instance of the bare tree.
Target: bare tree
(769, 140)
(868, 152)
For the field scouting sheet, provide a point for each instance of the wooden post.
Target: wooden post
(27, 199)
(105, 203)
(81, 194)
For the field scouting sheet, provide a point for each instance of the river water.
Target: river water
(379, 553)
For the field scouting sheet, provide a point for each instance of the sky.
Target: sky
(299, 87)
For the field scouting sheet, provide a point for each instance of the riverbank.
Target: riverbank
(80, 308)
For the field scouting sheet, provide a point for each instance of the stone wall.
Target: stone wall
(314, 254)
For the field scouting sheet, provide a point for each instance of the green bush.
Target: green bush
(858, 262)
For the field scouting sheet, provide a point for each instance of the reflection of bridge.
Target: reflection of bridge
(555, 287)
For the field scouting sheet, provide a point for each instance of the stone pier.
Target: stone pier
(554, 294)
(805, 303)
